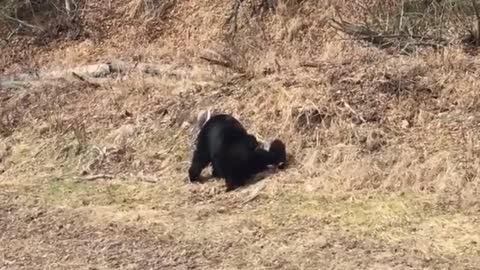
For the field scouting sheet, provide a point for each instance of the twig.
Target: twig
(311, 65)
(81, 78)
(95, 71)
(370, 12)
(234, 14)
(364, 32)
(353, 111)
(95, 177)
(43, 147)
(278, 66)
(225, 62)
(22, 22)
(69, 6)
(147, 178)
(217, 62)
(477, 14)
(13, 32)
(400, 23)
(263, 7)
(442, 23)
(324, 64)
(255, 193)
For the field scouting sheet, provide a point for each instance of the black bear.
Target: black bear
(235, 155)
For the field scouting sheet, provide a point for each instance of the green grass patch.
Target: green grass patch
(74, 194)
(407, 219)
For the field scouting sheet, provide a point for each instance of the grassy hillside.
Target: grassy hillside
(377, 102)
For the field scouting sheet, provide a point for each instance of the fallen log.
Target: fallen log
(93, 71)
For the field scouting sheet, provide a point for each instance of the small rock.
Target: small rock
(322, 242)
(374, 142)
(124, 134)
(405, 124)
(4, 149)
(309, 188)
(43, 128)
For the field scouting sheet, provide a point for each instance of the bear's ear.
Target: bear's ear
(278, 148)
(266, 146)
(203, 116)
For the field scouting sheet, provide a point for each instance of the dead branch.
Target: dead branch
(323, 64)
(311, 65)
(70, 5)
(477, 14)
(81, 78)
(354, 112)
(268, 5)
(263, 7)
(92, 72)
(219, 60)
(40, 150)
(20, 22)
(384, 40)
(258, 8)
(95, 177)
(255, 193)
(232, 19)
(147, 178)
(15, 31)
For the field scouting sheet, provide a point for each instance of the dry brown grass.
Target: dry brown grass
(384, 151)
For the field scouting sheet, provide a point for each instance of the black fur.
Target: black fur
(235, 155)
